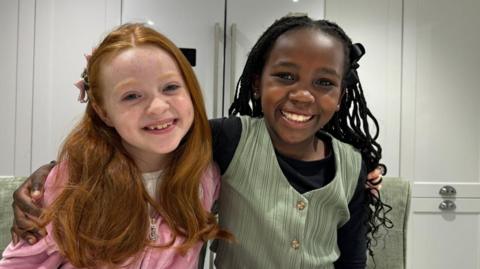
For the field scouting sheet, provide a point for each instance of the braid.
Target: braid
(350, 124)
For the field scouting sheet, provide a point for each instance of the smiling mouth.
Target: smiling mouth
(159, 126)
(295, 117)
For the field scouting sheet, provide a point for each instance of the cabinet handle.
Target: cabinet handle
(447, 190)
(447, 205)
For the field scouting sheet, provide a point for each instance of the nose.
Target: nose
(157, 106)
(301, 96)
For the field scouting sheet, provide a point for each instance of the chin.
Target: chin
(292, 140)
(165, 149)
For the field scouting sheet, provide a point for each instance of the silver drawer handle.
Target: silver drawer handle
(447, 190)
(447, 205)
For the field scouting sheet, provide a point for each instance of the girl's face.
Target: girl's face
(147, 102)
(300, 87)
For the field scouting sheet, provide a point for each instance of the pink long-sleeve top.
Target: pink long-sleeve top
(45, 253)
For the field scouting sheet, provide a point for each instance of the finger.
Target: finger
(23, 204)
(22, 199)
(14, 236)
(41, 233)
(375, 173)
(376, 181)
(37, 186)
(18, 232)
(38, 180)
(30, 238)
(30, 235)
(24, 221)
(383, 169)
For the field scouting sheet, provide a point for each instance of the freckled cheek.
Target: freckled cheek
(122, 116)
(184, 107)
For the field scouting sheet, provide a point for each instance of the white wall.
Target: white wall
(377, 24)
(64, 31)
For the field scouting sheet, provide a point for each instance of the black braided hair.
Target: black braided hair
(350, 124)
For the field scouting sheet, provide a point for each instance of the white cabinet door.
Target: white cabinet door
(189, 24)
(64, 31)
(444, 239)
(8, 66)
(246, 21)
(440, 142)
(16, 74)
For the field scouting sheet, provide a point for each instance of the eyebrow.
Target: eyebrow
(122, 83)
(323, 70)
(168, 75)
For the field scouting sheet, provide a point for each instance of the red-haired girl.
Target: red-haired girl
(135, 181)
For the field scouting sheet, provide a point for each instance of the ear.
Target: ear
(102, 114)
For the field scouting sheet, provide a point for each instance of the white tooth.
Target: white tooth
(159, 127)
(296, 117)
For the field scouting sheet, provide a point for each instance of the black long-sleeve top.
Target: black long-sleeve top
(305, 176)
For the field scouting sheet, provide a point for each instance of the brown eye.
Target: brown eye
(285, 77)
(323, 83)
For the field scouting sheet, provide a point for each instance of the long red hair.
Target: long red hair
(101, 217)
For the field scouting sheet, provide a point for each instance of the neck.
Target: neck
(311, 150)
(150, 165)
(147, 161)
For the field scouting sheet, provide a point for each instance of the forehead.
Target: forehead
(307, 44)
(140, 59)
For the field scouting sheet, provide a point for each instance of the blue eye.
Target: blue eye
(131, 96)
(171, 87)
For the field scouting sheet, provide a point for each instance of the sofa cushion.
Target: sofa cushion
(7, 186)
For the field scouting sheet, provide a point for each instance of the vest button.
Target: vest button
(295, 244)
(301, 205)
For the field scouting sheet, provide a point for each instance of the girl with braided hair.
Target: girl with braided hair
(293, 181)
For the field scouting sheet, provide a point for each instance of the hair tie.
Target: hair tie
(356, 52)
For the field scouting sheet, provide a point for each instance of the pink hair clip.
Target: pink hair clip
(82, 84)
(82, 96)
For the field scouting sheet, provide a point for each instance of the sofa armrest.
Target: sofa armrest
(391, 246)
(8, 184)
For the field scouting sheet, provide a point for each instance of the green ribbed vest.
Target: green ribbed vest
(275, 226)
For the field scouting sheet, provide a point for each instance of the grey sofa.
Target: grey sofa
(389, 251)
(7, 186)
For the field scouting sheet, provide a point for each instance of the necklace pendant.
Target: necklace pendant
(153, 235)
